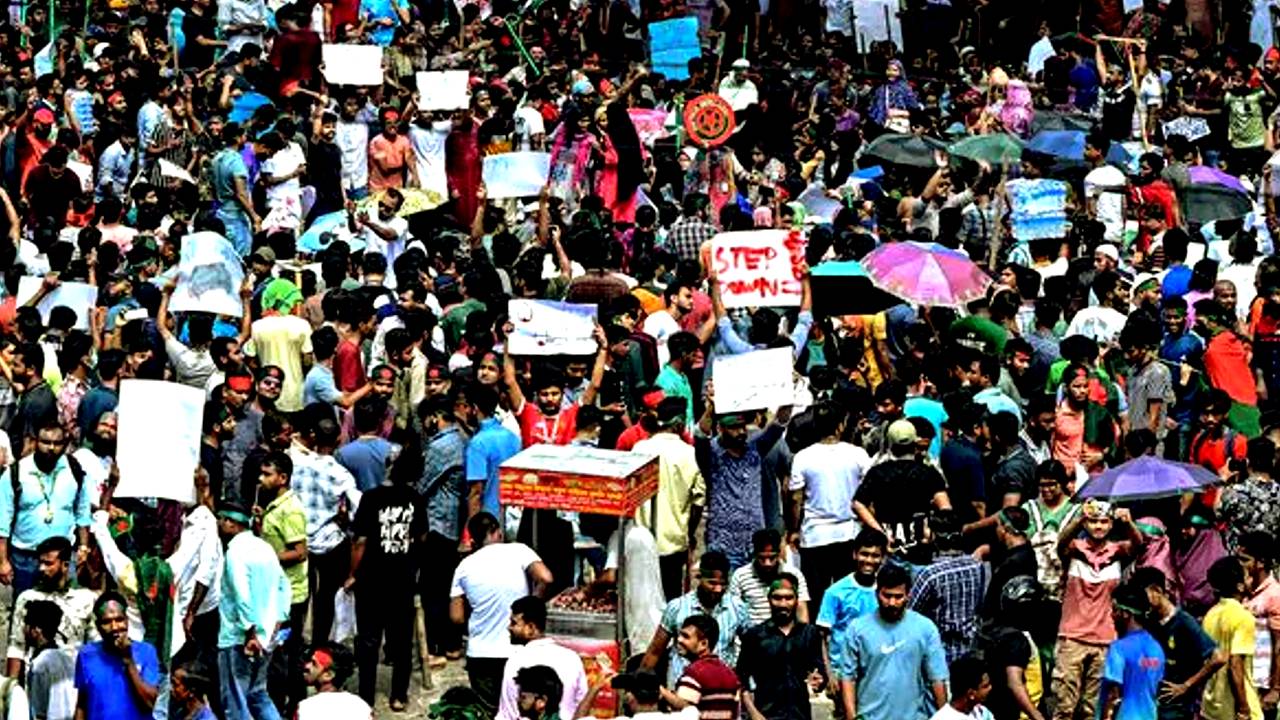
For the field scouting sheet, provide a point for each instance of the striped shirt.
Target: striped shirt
(746, 586)
(1264, 603)
(712, 686)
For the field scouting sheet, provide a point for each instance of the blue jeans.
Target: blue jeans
(239, 228)
(244, 686)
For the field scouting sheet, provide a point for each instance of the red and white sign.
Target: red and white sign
(759, 268)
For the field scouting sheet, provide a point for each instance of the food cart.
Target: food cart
(587, 480)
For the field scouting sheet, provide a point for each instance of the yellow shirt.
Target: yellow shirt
(284, 523)
(680, 487)
(1231, 627)
(871, 329)
(282, 340)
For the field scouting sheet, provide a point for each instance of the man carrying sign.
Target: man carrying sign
(546, 420)
(764, 321)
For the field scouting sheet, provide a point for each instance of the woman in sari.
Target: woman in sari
(1200, 548)
(894, 100)
(623, 169)
(572, 146)
(1084, 430)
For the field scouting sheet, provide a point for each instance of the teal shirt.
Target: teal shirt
(55, 497)
(675, 384)
(255, 592)
(226, 167)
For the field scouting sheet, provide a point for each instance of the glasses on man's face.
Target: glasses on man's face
(270, 382)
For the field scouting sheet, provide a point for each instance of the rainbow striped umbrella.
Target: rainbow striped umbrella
(926, 273)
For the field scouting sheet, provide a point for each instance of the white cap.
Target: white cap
(741, 64)
(1109, 250)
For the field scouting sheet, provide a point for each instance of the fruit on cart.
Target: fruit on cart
(578, 599)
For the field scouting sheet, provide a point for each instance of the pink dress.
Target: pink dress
(623, 209)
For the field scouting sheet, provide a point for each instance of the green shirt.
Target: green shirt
(455, 319)
(1245, 126)
(284, 523)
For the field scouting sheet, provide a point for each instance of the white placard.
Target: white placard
(173, 170)
(209, 276)
(158, 441)
(352, 64)
(516, 174)
(443, 89)
(548, 327)
(81, 297)
(759, 268)
(756, 380)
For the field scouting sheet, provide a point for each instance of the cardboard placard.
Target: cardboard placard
(209, 276)
(81, 297)
(754, 381)
(158, 441)
(352, 64)
(550, 327)
(759, 267)
(516, 174)
(443, 89)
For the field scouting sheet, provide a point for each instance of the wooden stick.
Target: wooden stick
(1121, 40)
(420, 630)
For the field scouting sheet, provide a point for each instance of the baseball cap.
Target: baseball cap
(901, 432)
(1143, 279)
(44, 115)
(265, 254)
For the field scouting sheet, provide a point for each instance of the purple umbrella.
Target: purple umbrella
(1204, 175)
(1146, 478)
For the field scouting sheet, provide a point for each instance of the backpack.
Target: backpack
(76, 471)
(1044, 543)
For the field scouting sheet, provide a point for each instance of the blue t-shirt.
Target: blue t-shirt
(366, 459)
(895, 660)
(102, 676)
(843, 602)
(319, 386)
(1176, 282)
(1135, 662)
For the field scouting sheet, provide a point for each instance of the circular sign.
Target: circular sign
(708, 119)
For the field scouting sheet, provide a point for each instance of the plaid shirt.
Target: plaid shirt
(443, 482)
(687, 236)
(949, 592)
(320, 484)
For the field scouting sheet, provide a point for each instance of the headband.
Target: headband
(1128, 609)
(240, 383)
(322, 658)
(235, 515)
(779, 583)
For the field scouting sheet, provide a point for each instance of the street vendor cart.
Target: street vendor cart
(585, 480)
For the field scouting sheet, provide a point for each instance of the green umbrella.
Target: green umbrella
(994, 149)
(899, 149)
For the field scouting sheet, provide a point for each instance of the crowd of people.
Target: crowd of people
(907, 538)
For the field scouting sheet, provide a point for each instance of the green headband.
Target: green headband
(1151, 530)
(235, 515)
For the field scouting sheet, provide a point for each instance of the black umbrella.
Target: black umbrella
(843, 287)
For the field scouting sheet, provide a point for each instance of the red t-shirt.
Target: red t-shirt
(1093, 573)
(536, 428)
(713, 687)
(348, 367)
(1226, 362)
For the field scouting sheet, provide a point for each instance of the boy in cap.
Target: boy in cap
(896, 496)
(1093, 565)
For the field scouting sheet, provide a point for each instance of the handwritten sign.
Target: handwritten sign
(516, 174)
(547, 327)
(1188, 127)
(672, 44)
(352, 64)
(158, 441)
(209, 276)
(1038, 208)
(80, 297)
(758, 267)
(443, 89)
(754, 381)
(818, 206)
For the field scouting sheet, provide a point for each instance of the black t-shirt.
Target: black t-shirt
(900, 494)
(324, 168)
(390, 519)
(1117, 112)
(1186, 646)
(1005, 647)
(195, 55)
(1020, 560)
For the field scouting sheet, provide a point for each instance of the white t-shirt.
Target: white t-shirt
(543, 651)
(529, 124)
(491, 579)
(282, 163)
(53, 684)
(1105, 185)
(428, 152)
(949, 713)
(325, 706)
(829, 475)
(661, 326)
(1102, 324)
(353, 140)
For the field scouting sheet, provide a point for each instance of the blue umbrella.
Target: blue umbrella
(1146, 478)
(1062, 144)
(843, 287)
(244, 106)
(327, 228)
